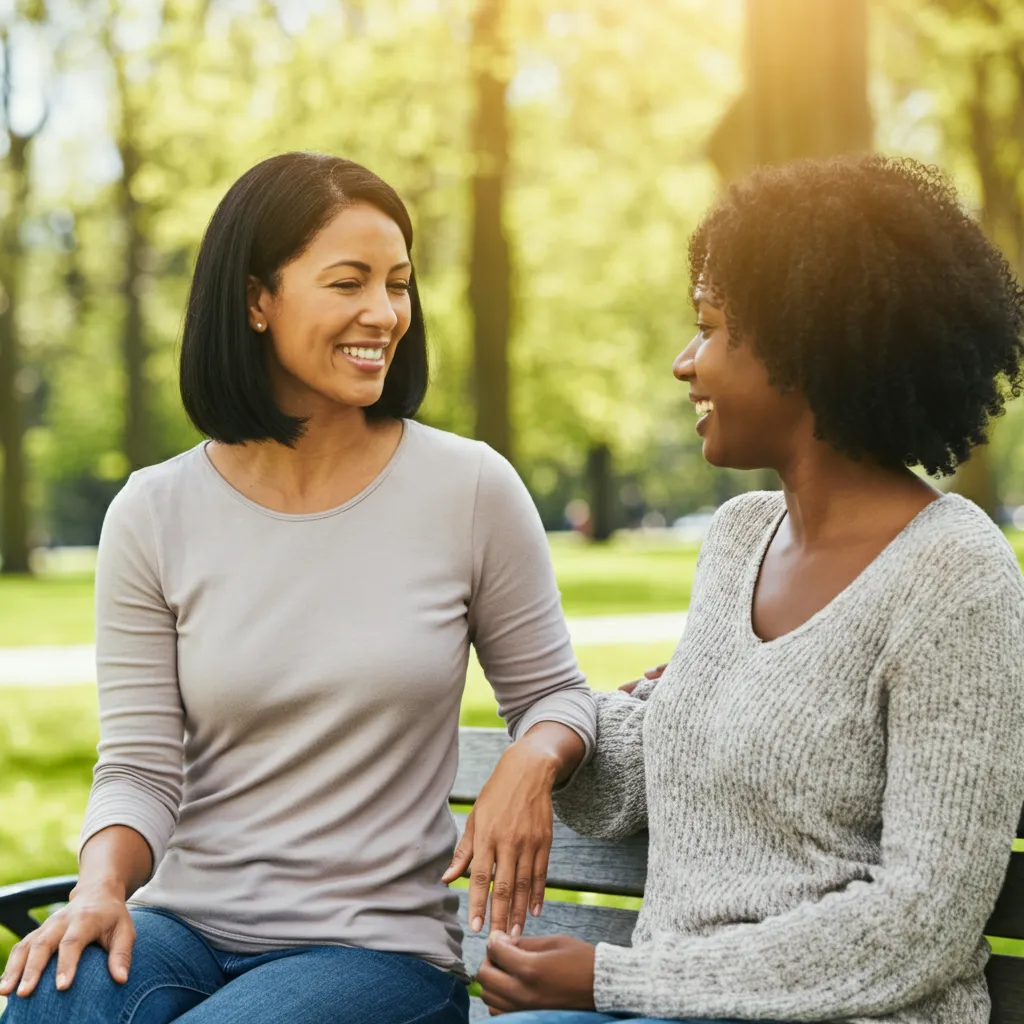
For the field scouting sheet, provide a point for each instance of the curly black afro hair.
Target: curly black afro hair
(861, 282)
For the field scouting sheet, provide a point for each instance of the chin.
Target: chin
(723, 458)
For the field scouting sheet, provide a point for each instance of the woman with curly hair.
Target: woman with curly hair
(829, 768)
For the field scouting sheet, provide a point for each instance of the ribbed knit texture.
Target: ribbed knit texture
(831, 813)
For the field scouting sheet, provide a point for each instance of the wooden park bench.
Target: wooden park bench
(592, 866)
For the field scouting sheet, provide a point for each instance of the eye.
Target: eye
(705, 330)
(346, 286)
(399, 286)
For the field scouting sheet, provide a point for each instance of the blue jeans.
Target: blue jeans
(590, 1017)
(177, 976)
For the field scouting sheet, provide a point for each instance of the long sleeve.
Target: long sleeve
(954, 687)
(515, 613)
(138, 778)
(607, 799)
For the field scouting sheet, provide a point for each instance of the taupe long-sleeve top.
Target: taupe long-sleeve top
(279, 694)
(831, 813)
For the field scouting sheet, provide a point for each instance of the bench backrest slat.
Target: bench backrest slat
(479, 752)
(591, 924)
(592, 865)
(1005, 975)
(1007, 920)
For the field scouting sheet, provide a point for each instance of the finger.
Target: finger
(69, 952)
(656, 673)
(497, 989)
(119, 952)
(42, 944)
(15, 965)
(540, 880)
(463, 855)
(522, 894)
(503, 889)
(630, 686)
(480, 885)
(540, 943)
(510, 957)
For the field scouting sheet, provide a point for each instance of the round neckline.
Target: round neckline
(299, 517)
(861, 579)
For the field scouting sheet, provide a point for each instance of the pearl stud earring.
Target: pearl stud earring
(259, 326)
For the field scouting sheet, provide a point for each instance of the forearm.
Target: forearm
(555, 746)
(116, 859)
(607, 799)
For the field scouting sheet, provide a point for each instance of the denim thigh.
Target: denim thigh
(172, 970)
(332, 985)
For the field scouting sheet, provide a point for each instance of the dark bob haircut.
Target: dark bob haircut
(268, 218)
(862, 283)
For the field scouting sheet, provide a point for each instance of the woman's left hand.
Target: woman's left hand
(508, 834)
(553, 972)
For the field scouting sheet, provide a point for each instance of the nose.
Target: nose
(683, 365)
(380, 311)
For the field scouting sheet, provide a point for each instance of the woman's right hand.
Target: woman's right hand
(98, 915)
(651, 673)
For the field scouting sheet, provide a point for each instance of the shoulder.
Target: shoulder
(755, 508)
(739, 526)
(962, 556)
(149, 490)
(464, 457)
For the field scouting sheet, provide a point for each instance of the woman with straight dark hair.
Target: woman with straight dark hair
(284, 615)
(830, 767)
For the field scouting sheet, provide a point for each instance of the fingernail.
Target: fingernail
(62, 981)
(478, 923)
(23, 988)
(536, 910)
(516, 931)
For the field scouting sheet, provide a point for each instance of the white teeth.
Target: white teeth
(703, 408)
(374, 354)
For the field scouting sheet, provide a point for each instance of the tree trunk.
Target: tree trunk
(14, 547)
(600, 481)
(489, 266)
(806, 86)
(134, 350)
(1001, 217)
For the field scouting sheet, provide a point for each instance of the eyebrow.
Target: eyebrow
(365, 267)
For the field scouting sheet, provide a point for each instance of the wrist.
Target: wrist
(539, 759)
(105, 887)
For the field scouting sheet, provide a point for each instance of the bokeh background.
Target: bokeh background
(555, 155)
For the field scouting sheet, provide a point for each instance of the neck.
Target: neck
(332, 439)
(830, 497)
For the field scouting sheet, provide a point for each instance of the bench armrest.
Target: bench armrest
(17, 900)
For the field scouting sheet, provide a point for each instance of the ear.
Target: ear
(257, 301)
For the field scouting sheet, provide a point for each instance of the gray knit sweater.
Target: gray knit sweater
(831, 813)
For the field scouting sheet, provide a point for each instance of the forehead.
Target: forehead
(359, 230)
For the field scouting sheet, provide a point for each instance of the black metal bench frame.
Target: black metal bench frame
(589, 866)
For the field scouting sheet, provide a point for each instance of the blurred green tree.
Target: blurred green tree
(19, 28)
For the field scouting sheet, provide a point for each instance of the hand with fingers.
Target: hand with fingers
(651, 673)
(95, 914)
(553, 972)
(508, 834)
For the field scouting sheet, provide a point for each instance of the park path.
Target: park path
(61, 666)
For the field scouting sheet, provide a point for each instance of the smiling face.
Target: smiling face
(745, 421)
(337, 314)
